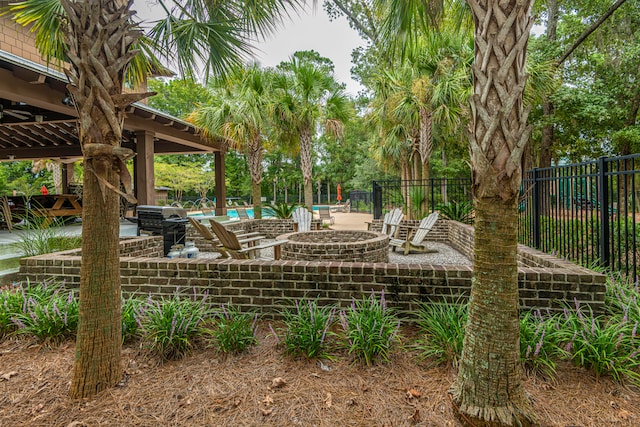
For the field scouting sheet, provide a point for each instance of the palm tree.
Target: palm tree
(307, 95)
(238, 112)
(488, 389)
(98, 38)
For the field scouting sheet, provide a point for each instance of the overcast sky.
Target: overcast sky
(311, 30)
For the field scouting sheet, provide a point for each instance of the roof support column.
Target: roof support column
(143, 166)
(221, 190)
(67, 177)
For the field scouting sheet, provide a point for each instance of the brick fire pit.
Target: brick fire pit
(336, 245)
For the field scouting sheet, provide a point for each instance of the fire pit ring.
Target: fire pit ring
(336, 245)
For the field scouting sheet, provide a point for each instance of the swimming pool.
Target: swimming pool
(233, 214)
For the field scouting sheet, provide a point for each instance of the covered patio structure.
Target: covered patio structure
(38, 121)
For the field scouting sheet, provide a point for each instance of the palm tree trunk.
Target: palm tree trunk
(99, 39)
(426, 147)
(488, 390)
(307, 167)
(489, 386)
(254, 158)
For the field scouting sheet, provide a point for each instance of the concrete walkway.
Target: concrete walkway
(126, 229)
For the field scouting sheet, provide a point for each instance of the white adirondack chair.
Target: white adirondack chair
(391, 222)
(416, 236)
(302, 219)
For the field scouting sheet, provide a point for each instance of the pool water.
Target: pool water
(233, 214)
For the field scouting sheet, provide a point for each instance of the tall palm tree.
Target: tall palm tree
(98, 39)
(307, 96)
(239, 113)
(488, 389)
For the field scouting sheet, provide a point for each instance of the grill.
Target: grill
(166, 221)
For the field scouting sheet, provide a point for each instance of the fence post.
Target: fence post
(603, 207)
(377, 201)
(430, 182)
(535, 214)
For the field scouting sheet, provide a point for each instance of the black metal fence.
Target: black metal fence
(361, 201)
(418, 197)
(586, 212)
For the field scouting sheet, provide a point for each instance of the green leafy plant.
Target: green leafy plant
(131, 312)
(417, 199)
(171, 325)
(234, 331)
(370, 328)
(623, 297)
(11, 303)
(307, 329)
(48, 313)
(443, 326)
(605, 346)
(539, 342)
(37, 237)
(282, 210)
(457, 211)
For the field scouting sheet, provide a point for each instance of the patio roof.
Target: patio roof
(37, 119)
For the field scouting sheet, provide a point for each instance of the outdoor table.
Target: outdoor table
(63, 205)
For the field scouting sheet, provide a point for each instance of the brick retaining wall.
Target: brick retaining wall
(544, 281)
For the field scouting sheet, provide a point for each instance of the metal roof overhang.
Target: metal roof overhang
(35, 123)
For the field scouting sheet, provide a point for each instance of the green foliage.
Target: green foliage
(417, 200)
(307, 329)
(605, 346)
(11, 303)
(234, 331)
(539, 342)
(457, 211)
(281, 210)
(49, 312)
(178, 97)
(623, 298)
(131, 326)
(37, 238)
(370, 329)
(171, 325)
(442, 325)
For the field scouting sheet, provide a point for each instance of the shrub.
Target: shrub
(37, 237)
(539, 342)
(131, 312)
(606, 346)
(457, 211)
(234, 331)
(171, 325)
(282, 210)
(623, 297)
(443, 326)
(370, 328)
(11, 303)
(307, 328)
(48, 313)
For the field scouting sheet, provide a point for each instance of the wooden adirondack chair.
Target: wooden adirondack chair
(391, 222)
(229, 242)
(416, 236)
(325, 215)
(205, 232)
(301, 219)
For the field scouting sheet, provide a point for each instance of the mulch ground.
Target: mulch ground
(266, 388)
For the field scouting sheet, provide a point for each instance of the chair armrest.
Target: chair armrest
(251, 239)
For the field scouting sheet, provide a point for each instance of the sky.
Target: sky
(313, 30)
(310, 30)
